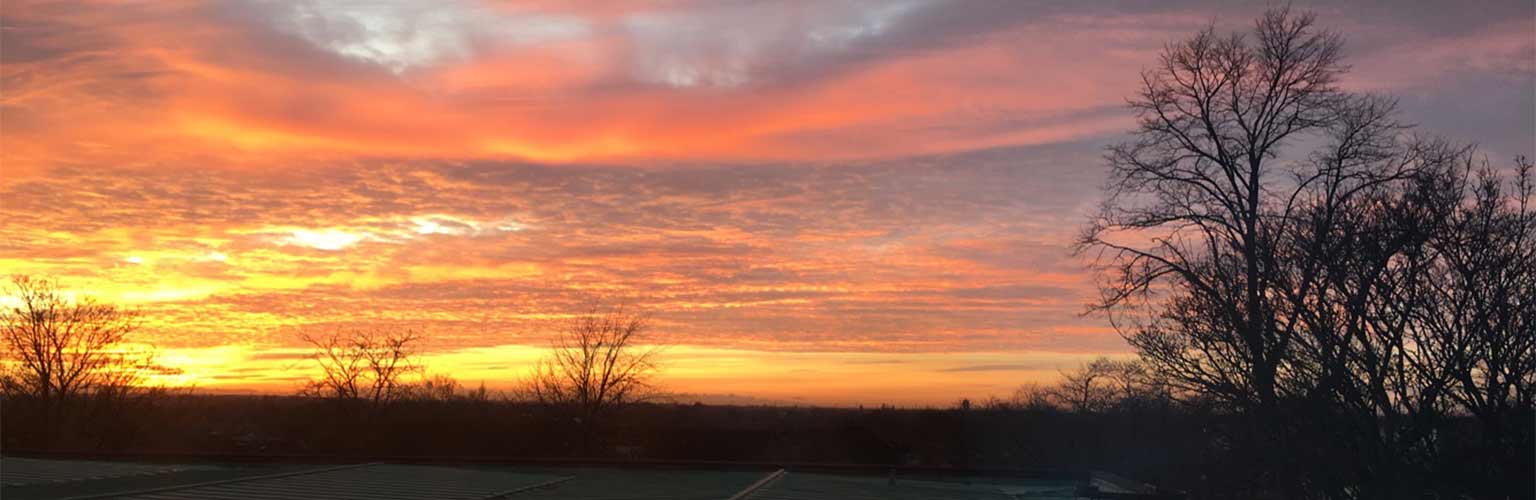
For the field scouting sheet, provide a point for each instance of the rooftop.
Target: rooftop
(24, 478)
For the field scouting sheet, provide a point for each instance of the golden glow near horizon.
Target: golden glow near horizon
(857, 203)
(690, 373)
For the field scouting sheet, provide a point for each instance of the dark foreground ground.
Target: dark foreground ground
(52, 479)
(1177, 448)
(1151, 444)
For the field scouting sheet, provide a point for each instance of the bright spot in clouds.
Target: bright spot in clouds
(328, 239)
(390, 230)
(460, 226)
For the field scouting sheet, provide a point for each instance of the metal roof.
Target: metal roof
(358, 482)
(378, 481)
(802, 486)
(15, 471)
(638, 484)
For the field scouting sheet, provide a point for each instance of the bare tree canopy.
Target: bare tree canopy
(61, 347)
(598, 362)
(1100, 385)
(372, 365)
(1195, 201)
(1286, 249)
(1479, 301)
(442, 387)
(1097, 385)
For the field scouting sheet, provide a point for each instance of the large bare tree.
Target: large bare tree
(61, 347)
(372, 365)
(600, 361)
(1198, 198)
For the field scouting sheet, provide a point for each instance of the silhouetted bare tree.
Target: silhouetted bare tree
(1087, 389)
(599, 362)
(443, 387)
(62, 348)
(1196, 200)
(1471, 324)
(1030, 396)
(1481, 306)
(1097, 386)
(371, 365)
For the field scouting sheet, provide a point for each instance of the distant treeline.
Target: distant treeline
(1175, 446)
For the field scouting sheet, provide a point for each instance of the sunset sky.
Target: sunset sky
(821, 202)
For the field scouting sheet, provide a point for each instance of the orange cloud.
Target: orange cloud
(892, 184)
(186, 83)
